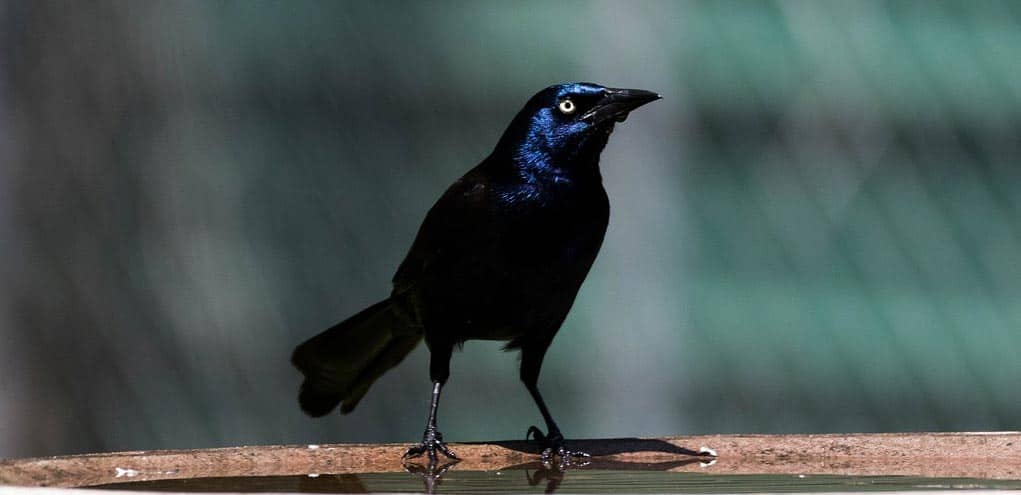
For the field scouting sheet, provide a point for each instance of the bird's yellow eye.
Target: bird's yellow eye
(566, 106)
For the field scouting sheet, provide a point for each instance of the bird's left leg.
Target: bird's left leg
(439, 371)
(553, 440)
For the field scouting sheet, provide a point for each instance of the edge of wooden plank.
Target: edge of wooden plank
(986, 455)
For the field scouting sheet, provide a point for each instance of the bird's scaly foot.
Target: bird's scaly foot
(555, 449)
(432, 441)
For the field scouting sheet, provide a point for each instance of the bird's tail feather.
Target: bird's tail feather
(341, 363)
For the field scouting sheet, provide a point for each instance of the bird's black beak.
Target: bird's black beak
(616, 104)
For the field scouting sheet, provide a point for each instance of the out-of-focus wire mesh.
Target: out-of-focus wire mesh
(817, 229)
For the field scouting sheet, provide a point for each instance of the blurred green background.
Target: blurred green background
(818, 229)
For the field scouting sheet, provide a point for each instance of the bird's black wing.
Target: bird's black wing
(457, 229)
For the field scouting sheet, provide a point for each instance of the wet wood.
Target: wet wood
(995, 455)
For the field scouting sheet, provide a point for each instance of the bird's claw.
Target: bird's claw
(432, 470)
(567, 458)
(432, 442)
(555, 449)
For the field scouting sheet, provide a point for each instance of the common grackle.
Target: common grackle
(500, 256)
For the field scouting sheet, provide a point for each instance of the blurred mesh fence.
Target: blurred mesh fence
(816, 230)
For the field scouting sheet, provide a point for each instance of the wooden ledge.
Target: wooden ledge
(992, 455)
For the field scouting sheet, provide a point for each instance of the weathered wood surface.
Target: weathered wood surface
(994, 455)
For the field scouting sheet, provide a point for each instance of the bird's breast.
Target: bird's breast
(543, 253)
(522, 265)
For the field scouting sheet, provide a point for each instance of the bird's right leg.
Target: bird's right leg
(552, 440)
(439, 371)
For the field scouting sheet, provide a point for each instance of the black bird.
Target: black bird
(500, 256)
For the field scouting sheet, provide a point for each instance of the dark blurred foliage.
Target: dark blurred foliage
(816, 230)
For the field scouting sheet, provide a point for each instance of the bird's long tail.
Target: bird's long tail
(341, 363)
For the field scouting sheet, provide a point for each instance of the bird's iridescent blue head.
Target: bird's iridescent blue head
(568, 124)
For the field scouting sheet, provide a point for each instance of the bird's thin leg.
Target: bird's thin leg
(552, 430)
(553, 440)
(432, 439)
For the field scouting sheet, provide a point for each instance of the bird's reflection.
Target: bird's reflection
(555, 474)
(545, 472)
(431, 472)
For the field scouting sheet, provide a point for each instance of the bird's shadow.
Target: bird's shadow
(538, 472)
(606, 447)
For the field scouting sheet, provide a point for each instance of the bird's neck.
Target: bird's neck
(537, 159)
(544, 170)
